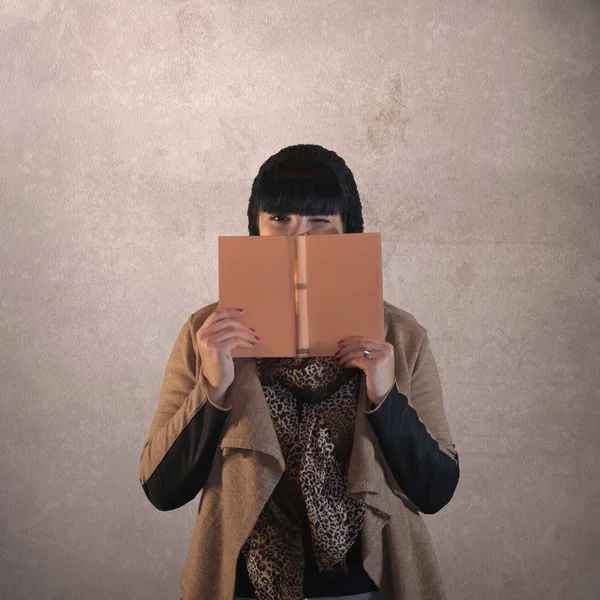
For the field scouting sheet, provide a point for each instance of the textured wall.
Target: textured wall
(130, 135)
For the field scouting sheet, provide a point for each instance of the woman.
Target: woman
(312, 472)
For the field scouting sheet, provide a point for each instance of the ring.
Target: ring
(367, 353)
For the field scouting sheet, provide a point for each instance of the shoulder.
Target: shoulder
(402, 327)
(186, 339)
(398, 317)
(197, 318)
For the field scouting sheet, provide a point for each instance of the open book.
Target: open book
(303, 293)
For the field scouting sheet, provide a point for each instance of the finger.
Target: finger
(224, 313)
(233, 343)
(223, 324)
(344, 358)
(352, 363)
(344, 350)
(226, 324)
(361, 345)
(231, 333)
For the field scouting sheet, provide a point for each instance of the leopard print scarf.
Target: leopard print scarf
(313, 404)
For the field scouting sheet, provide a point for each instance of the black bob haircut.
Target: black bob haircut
(306, 180)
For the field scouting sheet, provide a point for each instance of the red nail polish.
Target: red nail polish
(240, 309)
(337, 352)
(340, 341)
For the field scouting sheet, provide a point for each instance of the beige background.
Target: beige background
(130, 135)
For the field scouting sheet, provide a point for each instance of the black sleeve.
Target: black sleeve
(184, 469)
(426, 474)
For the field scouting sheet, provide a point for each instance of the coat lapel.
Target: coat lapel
(366, 473)
(250, 426)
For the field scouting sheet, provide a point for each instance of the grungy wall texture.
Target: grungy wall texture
(130, 135)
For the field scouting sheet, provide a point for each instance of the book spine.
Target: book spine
(302, 341)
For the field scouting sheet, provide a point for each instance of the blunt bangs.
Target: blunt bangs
(305, 188)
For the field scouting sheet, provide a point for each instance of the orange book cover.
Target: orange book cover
(303, 293)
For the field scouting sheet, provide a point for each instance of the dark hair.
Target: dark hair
(306, 179)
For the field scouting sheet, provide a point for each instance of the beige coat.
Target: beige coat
(396, 547)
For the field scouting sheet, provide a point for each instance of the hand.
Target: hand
(379, 369)
(219, 335)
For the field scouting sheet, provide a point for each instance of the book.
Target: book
(303, 294)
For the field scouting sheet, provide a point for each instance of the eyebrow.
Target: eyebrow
(309, 216)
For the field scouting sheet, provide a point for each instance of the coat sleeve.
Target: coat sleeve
(184, 434)
(415, 439)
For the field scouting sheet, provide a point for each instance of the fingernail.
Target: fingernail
(340, 341)
(240, 309)
(252, 329)
(337, 352)
(257, 337)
